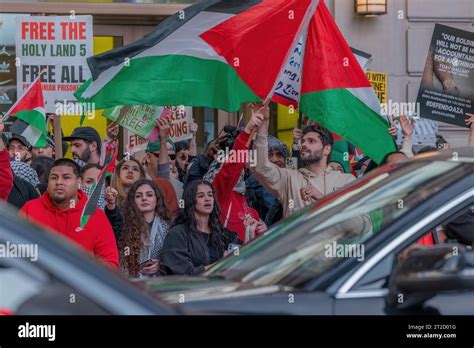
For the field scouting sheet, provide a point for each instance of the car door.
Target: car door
(364, 292)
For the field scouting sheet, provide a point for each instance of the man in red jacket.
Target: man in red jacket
(60, 208)
(6, 175)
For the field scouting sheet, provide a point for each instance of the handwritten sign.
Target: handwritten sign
(287, 91)
(140, 119)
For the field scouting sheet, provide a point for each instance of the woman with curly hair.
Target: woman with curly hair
(147, 222)
(197, 238)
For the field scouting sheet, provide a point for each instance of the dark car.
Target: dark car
(371, 248)
(42, 273)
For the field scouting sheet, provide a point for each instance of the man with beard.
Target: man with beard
(299, 188)
(60, 209)
(85, 145)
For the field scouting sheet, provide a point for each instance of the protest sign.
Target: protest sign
(378, 80)
(140, 120)
(447, 88)
(60, 45)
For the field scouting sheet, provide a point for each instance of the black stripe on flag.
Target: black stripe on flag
(18, 127)
(106, 60)
(233, 6)
(93, 200)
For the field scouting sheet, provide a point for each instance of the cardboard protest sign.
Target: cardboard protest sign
(139, 120)
(182, 118)
(60, 45)
(447, 88)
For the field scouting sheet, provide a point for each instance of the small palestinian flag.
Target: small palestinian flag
(30, 110)
(215, 53)
(107, 170)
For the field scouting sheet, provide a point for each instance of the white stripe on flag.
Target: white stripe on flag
(368, 97)
(32, 134)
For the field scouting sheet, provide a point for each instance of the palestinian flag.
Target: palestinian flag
(215, 53)
(340, 152)
(107, 170)
(335, 91)
(30, 109)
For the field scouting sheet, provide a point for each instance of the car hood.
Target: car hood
(180, 289)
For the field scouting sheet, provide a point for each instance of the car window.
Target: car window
(450, 230)
(294, 255)
(19, 281)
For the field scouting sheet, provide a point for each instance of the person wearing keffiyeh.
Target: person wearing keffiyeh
(24, 171)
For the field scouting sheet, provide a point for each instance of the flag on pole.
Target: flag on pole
(107, 170)
(30, 109)
(335, 91)
(215, 53)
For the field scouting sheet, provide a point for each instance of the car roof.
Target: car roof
(66, 262)
(462, 154)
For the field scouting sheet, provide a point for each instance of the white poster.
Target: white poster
(59, 46)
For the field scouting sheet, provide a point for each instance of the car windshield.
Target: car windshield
(319, 237)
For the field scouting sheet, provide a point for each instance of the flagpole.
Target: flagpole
(58, 137)
(7, 115)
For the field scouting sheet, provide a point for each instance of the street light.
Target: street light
(370, 8)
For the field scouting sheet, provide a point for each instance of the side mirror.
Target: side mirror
(428, 271)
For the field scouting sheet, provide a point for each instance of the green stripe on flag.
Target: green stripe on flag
(170, 79)
(344, 114)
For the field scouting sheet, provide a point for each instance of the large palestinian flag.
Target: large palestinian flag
(216, 53)
(335, 91)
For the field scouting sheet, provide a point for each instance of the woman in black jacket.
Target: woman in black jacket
(197, 239)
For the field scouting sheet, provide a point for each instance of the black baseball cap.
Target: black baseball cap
(21, 139)
(84, 133)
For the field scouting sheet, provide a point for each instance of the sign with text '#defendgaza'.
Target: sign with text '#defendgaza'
(447, 87)
(59, 46)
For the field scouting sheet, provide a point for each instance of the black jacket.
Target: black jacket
(115, 217)
(187, 251)
(21, 192)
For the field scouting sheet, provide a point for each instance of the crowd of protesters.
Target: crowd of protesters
(172, 210)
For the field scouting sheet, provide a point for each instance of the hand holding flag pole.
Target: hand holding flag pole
(261, 110)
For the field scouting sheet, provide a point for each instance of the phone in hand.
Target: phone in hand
(231, 247)
(147, 263)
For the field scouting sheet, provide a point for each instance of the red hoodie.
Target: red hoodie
(97, 235)
(233, 204)
(6, 175)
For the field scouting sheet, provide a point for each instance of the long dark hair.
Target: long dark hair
(136, 228)
(186, 215)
